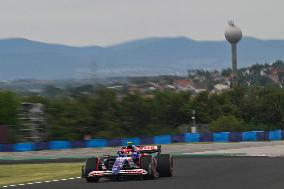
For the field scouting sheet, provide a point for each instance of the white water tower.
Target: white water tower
(233, 35)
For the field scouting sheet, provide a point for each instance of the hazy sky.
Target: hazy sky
(104, 22)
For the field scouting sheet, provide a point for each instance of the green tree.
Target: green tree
(9, 104)
(134, 115)
(168, 110)
(66, 119)
(226, 124)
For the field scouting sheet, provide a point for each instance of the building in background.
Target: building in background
(33, 125)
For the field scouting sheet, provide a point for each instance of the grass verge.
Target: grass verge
(25, 173)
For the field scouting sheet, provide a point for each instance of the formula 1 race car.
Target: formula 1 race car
(144, 162)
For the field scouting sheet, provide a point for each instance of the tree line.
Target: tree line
(105, 114)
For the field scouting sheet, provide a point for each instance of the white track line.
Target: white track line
(39, 182)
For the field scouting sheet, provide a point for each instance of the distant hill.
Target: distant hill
(22, 58)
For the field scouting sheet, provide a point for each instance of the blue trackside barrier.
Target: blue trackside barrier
(221, 137)
(206, 137)
(96, 143)
(136, 141)
(42, 146)
(282, 134)
(192, 137)
(163, 139)
(146, 140)
(7, 147)
(249, 136)
(275, 135)
(267, 135)
(59, 145)
(21, 147)
(114, 142)
(235, 136)
(261, 135)
(78, 144)
(178, 138)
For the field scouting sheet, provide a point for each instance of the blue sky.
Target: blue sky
(105, 22)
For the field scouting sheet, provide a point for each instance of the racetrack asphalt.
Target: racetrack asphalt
(197, 173)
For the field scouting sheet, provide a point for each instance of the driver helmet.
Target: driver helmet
(130, 145)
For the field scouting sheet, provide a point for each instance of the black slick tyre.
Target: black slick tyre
(91, 164)
(165, 165)
(148, 164)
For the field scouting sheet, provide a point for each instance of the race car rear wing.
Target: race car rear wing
(149, 149)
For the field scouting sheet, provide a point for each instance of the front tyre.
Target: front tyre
(92, 164)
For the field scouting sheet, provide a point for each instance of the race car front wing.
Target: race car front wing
(121, 172)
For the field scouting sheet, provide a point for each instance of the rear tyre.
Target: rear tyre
(165, 165)
(91, 164)
(148, 164)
